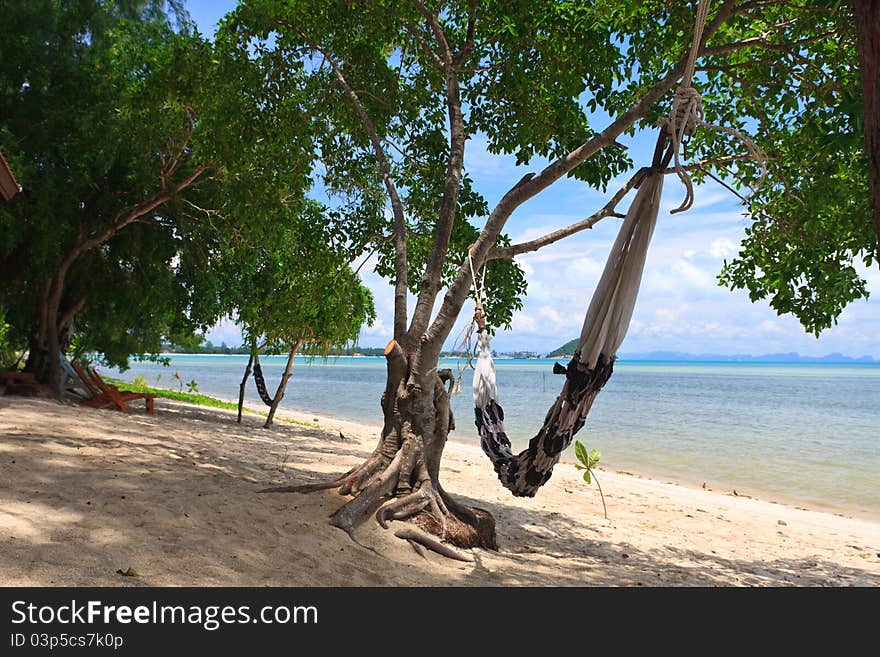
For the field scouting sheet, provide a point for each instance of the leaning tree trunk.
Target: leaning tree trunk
(52, 330)
(282, 386)
(243, 384)
(44, 348)
(400, 481)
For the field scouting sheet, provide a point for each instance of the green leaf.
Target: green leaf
(581, 453)
(587, 477)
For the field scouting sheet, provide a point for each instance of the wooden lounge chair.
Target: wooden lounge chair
(93, 389)
(118, 397)
(105, 395)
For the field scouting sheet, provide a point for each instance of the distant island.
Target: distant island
(208, 347)
(790, 357)
(564, 351)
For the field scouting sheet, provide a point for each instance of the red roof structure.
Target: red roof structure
(9, 186)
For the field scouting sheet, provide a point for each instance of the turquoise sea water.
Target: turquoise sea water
(777, 431)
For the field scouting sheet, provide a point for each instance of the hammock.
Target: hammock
(261, 383)
(604, 328)
(610, 309)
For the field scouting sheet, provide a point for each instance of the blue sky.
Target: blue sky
(680, 307)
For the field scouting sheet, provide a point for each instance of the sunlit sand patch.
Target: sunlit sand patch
(175, 497)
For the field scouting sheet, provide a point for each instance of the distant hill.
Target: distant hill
(790, 357)
(565, 350)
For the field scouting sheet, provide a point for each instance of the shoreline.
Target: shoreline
(765, 495)
(855, 362)
(84, 493)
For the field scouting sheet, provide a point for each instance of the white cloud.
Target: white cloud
(680, 306)
(723, 248)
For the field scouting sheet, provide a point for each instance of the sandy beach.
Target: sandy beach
(85, 493)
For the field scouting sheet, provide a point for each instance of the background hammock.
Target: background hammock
(261, 383)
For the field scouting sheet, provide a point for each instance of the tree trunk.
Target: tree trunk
(44, 359)
(44, 348)
(243, 385)
(400, 481)
(867, 16)
(36, 362)
(282, 385)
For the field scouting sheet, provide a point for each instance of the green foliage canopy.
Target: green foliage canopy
(541, 78)
(285, 282)
(135, 145)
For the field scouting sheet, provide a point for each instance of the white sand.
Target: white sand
(84, 493)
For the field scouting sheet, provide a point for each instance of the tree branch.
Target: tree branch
(550, 238)
(432, 278)
(527, 188)
(129, 215)
(71, 312)
(437, 30)
(761, 42)
(433, 56)
(468, 46)
(400, 287)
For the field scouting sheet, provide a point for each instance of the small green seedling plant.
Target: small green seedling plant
(192, 387)
(587, 461)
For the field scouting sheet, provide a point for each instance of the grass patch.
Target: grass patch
(196, 398)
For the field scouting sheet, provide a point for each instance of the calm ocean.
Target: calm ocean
(791, 432)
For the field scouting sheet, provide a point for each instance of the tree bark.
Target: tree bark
(400, 481)
(282, 385)
(37, 351)
(45, 348)
(243, 384)
(867, 17)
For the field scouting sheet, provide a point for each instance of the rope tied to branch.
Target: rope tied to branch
(478, 321)
(687, 114)
(479, 292)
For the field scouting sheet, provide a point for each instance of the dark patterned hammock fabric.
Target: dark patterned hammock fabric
(605, 326)
(261, 385)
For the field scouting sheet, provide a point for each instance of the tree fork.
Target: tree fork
(400, 480)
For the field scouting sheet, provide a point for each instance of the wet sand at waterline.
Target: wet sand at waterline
(85, 493)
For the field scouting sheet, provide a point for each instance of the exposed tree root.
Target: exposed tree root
(418, 549)
(368, 500)
(400, 479)
(303, 488)
(413, 535)
(310, 488)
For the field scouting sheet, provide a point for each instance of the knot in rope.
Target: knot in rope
(464, 341)
(687, 112)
